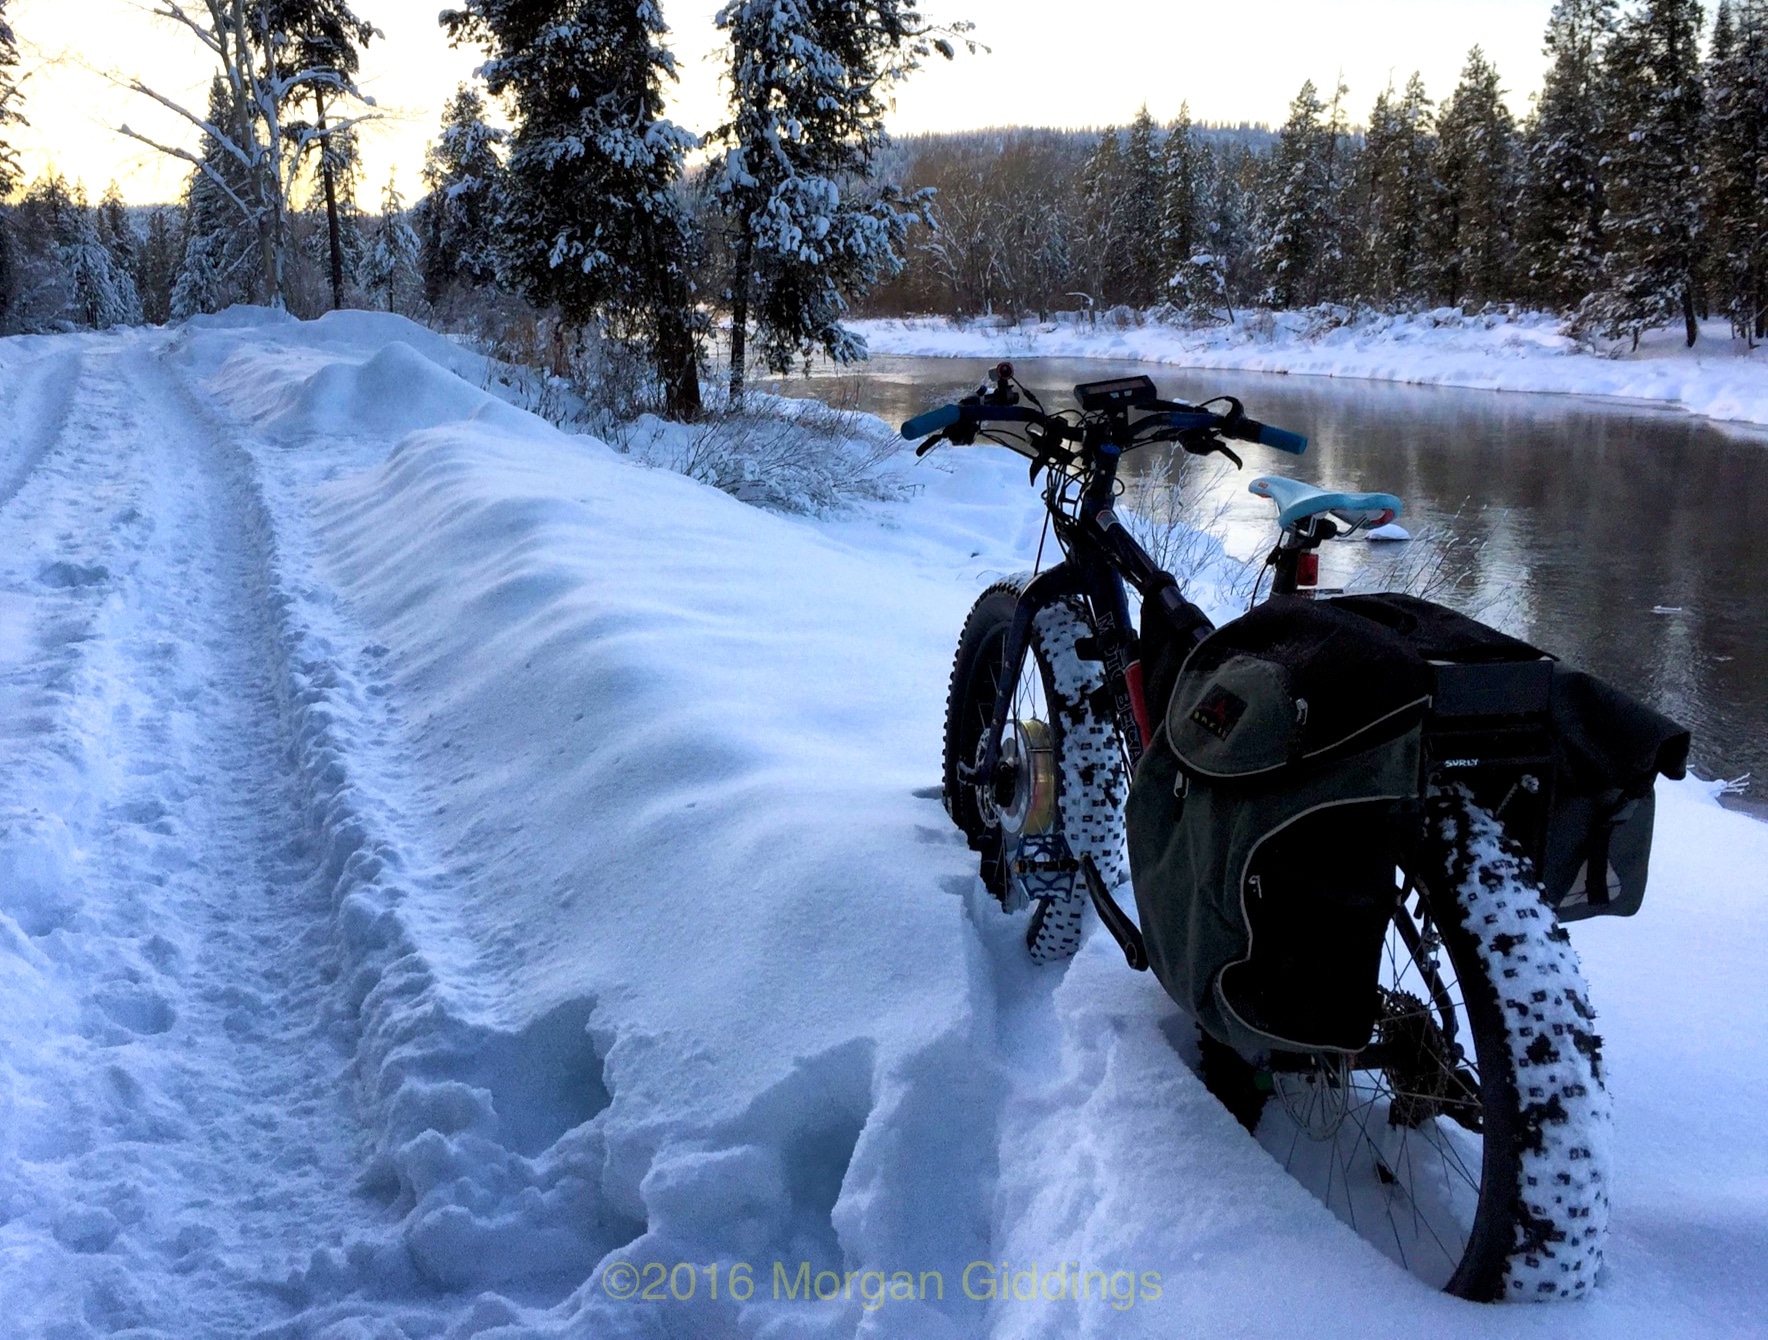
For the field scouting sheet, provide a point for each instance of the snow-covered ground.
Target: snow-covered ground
(1720, 378)
(453, 875)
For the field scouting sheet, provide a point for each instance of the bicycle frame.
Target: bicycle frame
(1100, 555)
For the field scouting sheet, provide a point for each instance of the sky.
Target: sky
(1050, 62)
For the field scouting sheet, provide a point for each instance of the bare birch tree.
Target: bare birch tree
(263, 82)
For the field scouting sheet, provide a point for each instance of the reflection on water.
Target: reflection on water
(1628, 541)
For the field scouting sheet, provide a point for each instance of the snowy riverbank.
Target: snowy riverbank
(1719, 379)
(446, 863)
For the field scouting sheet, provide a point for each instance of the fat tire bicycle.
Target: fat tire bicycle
(1469, 1139)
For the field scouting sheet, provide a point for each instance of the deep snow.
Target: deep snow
(445, 862)
(1720, 378)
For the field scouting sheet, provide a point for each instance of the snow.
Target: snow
(1719, 379)
(445, 862)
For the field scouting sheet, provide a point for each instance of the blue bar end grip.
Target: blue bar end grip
(932, 421)
(1282, 440)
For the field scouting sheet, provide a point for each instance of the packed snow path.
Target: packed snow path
(449, 871)
(179, 1106)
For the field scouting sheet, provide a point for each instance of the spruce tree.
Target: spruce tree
(157, 271)
(1102, 187)
(117, 231)
(319, 44)
(222, 243)
(1735, 167)
(1294, 219)
(810, 82)
(459, 215)
(389, 268)
(1470, 232)
(1560, 195)
(594, 226)
(10, 99)
(1143, 262)
(1183, 195)
(1652, 118)
(1393, 193)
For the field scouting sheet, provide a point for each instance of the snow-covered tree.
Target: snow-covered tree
(264, 82)
(1184, 198)
(1102, 186)
(161, 251)
(458, 217)
(318, 49)
(1653, 117)
(1296, 222)
(102, 291)
(1560, 198)
(1392, 195)
(390, 266)
(1735, 166)
(222, 255)
(1470, 232)
(595, 226)
(1143, 260)
(10, 99)
(810, 82)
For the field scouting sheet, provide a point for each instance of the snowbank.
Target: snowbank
(1719, 379)
(635, 941)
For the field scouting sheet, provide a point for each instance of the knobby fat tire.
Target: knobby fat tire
(1544, 1226)
(1092, 783)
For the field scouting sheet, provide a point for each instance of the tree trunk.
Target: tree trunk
(1689, 322)
(334, 234)
(740, 318)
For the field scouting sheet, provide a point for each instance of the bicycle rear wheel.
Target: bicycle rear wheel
(1469, 1140)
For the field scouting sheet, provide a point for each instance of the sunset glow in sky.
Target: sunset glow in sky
(1050, 63)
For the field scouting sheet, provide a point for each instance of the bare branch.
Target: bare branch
(252, 215)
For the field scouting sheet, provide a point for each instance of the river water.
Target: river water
(1629, 541)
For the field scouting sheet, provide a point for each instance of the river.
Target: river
(1629, 541)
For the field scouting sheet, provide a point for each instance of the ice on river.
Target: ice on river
(454, 877)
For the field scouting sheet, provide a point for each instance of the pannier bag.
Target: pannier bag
(1268, 815)
(1565, 760)
(1262, 823)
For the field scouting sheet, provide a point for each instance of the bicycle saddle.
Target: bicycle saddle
(1297, 501)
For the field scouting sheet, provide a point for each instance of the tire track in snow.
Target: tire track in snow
(187, 1131)
(37, 409)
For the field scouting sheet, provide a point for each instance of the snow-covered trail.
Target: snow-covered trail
(444, 864)
(177, 1120)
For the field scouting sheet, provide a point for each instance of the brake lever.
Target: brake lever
(929, 444)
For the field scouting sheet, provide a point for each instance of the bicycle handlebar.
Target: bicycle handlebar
(1234, 425)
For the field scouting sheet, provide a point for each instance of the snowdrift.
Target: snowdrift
(647, 947)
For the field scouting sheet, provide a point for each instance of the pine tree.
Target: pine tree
(222, 242)
(459, 215)
(1393, 195)
(1470, 226)
(390, 267)
(1104, 181)
(1653, 112)
(99, 293)
(594, 225)
(117, 231)
(1560, 196)
(1735, 166)
(1143, 260)
(10, 98)
(319, 44)
(1183, 196)
(1295, 216)
(157, 271)
(809, 82)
